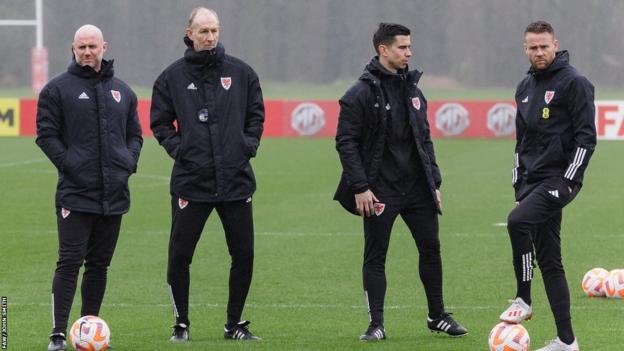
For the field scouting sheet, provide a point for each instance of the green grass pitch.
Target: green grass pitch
(306, 292)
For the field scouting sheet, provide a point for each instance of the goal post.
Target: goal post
(39, 53)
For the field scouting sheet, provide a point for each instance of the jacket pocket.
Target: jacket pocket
(559, 191)
(70, 164)
(79, 170)
(250, 149)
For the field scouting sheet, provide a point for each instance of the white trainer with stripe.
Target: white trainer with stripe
(517, 312)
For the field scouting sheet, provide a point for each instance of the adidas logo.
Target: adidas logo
(554, 193)
(191, 86)
(525, 100)
(444, 326)
(83, 96)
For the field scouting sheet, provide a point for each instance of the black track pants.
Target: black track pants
(83, 238)
(188, 222)
(534, 229)
(422, 221)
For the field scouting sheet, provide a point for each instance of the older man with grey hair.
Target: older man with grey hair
(207, 112)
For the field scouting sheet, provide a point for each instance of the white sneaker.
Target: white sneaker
(558, 345)
(518, 311)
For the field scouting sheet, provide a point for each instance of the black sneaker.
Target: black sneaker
(57, 342)
(446, 324)
(180, 333)
(239, 332)
(374, 333)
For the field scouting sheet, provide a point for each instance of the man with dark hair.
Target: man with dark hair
(555, 138)
(208, 113)
(389, 169)
(88, 127)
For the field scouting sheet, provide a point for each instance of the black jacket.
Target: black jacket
(362, 133)
(555, 128)
(88, 127)
(212, 154)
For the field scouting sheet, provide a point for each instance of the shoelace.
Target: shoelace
(515, 304)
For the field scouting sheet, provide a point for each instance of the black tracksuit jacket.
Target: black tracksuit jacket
(87, 125)
(555, 124)
(211, 156)
(363, 131)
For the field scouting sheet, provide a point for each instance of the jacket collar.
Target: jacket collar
(562, 60)
(375, 71)
(202, 59)
(87, 72)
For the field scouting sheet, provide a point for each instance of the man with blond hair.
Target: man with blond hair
(555, 138)
(87, 125)
(207, 112)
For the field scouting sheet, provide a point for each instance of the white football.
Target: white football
(509, 337)
(614, 284)
(90, 333)
(593, 282)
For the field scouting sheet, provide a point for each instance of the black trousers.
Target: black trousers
(534, 229)
(420, 215)
(188, 222)
(83, 238)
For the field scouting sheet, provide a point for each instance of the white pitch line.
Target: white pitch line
(307, 234)
(159, 180)
(150, 185)
(293, 234)
(325, 306)
(473, 235)
(21, 163)
(310, 234)
(152, 176)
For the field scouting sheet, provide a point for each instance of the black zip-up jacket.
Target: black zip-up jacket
(363, 130)
(87, 125)
(555, 127)
(400, 169)
(216, 104)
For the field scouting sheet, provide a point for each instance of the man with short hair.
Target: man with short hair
(208, 113)
(389, 169)
(87, 125)
(555, 138)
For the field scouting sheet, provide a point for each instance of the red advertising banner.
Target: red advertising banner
(298, 118)
(472, 119)
(610, 120)
(143, 109)
(28, 113)
(447, 119)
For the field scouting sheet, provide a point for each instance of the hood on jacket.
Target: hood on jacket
(562, 59)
